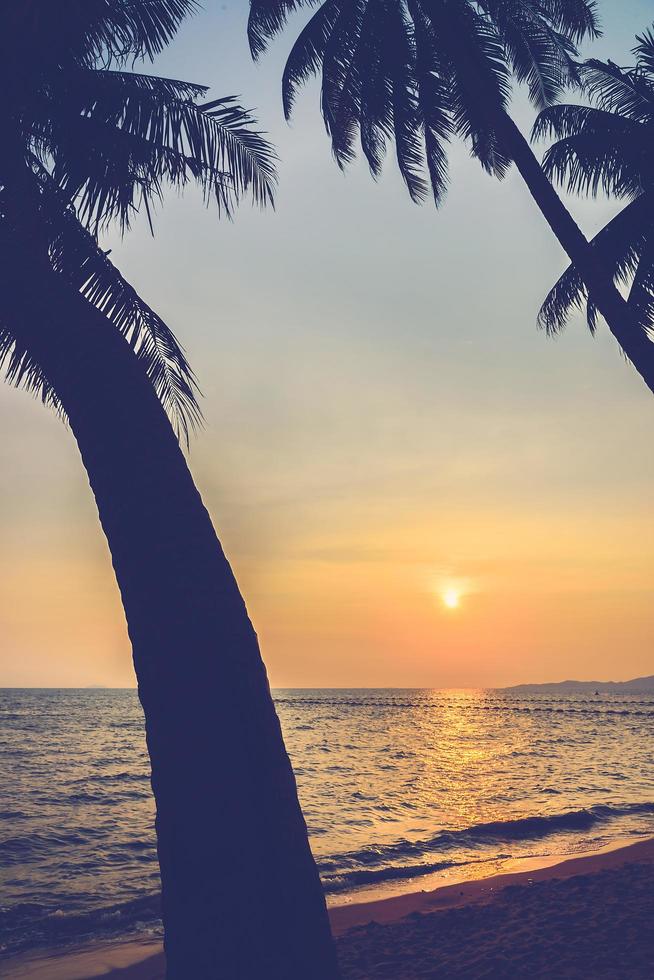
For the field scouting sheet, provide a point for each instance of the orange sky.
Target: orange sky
(345, 585)
(383, 421)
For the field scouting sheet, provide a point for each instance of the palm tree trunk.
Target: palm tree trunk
(241, 895)
(613, 307)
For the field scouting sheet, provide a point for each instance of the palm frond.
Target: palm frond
(75, 255)
(96, 143)
(146, 26)
(433, 97)
(129, 135)
(420, 71)
(641, 295)
(477, 77)
(644, 51)
(307, 53)
(616, 90)
(595, 150)
(369, 88)
(376, 110)
(22, 370)
(21, 367)
(85, 32)
(408, 126)
(559, 121)
(576, 19)
(341, 81)
(541, 55)
(618, 247)
(267, 18)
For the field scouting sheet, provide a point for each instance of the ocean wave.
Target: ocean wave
(401, 859)
(78, 815)
(30, 924)
(365, 876)
(14, 850)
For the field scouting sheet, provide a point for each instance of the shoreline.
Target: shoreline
(141, 959)
(477, 890)
(493, 867)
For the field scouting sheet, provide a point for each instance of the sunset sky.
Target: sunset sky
(384, 424)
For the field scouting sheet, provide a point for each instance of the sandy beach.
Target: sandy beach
(586, 917)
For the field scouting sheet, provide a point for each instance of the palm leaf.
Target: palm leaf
(477, 77)
(98, 143)
(612, 89)
(341, 80)
(433, 97)
(376, 110)
(421, 71)
(577, 19)
(540, 55)
(23, 371)
(307, 53)
(85, 32)
(267, 18)
(76, 256)
(644, 51)
(641, 295)
(407, 123)
(596, 150)
(618, 247)
(130, 134)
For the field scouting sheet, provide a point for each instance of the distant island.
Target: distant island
(604, 687)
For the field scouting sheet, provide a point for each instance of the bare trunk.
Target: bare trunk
(242, 899)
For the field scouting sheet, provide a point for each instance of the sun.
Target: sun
(451, 598)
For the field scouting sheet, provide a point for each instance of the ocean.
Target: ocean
(401, 789)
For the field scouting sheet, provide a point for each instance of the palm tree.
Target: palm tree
(608, 146)
(421, 72)
(86, 142)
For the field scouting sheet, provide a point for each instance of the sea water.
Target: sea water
(401, 789)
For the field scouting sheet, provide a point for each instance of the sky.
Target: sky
(384, 424)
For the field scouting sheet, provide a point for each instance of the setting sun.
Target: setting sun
(451, 598)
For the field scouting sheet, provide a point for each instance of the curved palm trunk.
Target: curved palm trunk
(241, 895)
(615, 310)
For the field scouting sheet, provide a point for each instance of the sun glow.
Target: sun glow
(451, 598)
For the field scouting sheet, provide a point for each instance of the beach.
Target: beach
(586, 917)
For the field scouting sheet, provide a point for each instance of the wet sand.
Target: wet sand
(585, 918)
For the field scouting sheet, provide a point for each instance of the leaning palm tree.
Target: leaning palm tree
(608, 146)
(85, 141)
(421, 72)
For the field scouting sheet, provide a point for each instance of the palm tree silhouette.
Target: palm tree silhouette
(608, 146)
(86, 142)
(421, 72)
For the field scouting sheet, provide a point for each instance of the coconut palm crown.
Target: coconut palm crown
(607, 147)
(88, 141)
(421, 72)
